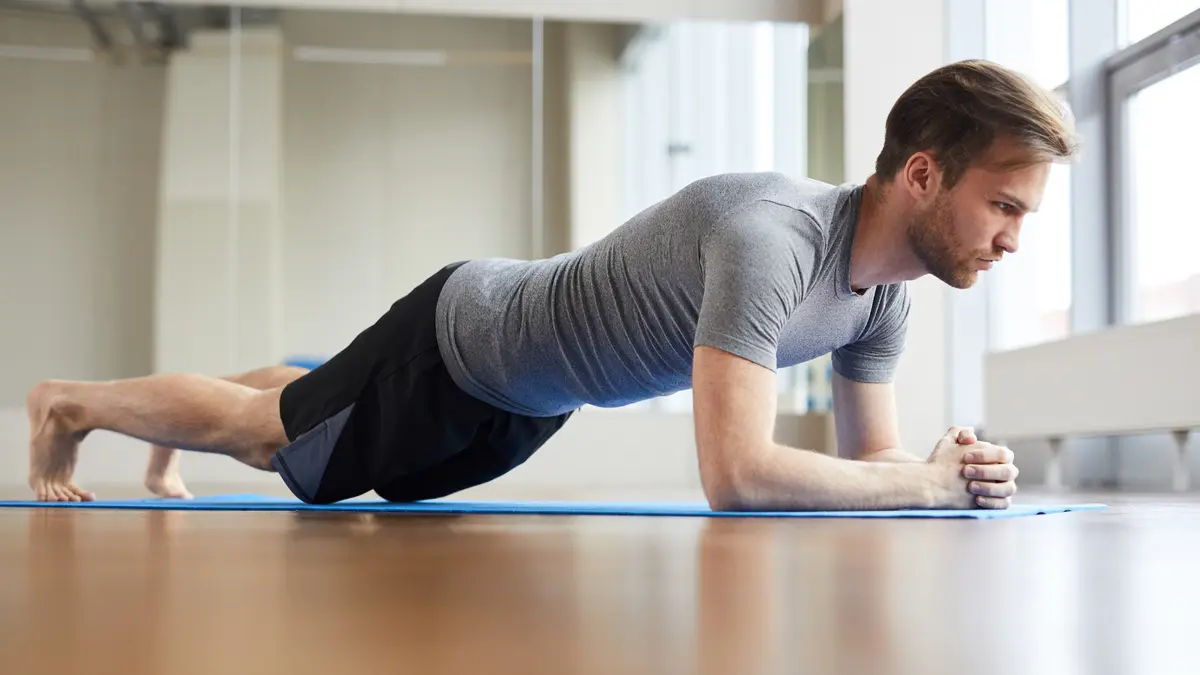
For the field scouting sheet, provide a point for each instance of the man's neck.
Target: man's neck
(880, 254)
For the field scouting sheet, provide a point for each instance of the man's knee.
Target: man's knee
(260, 428)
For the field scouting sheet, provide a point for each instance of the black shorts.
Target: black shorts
(384, 415)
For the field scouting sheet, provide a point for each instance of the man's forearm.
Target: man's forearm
(891, 455)
(783, 478)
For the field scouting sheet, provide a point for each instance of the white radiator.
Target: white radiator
(1122, 380)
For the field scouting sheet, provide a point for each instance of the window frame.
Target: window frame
(1131, 70)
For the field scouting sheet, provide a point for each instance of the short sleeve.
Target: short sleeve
(755, 263)
(874, 357)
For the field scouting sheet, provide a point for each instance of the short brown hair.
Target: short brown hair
(959, 110)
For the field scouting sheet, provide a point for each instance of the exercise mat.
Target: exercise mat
(253, 502)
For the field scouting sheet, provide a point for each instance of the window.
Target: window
(704, 98)
(1143, 18)
(1029, 294)
(1050, 47)
(1164, 141)
(1048, 235)
(1032, 37)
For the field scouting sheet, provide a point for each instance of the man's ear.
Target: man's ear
(922, 176)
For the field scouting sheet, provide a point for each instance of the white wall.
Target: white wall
(889, 45)
(596, 137)
(351, 182)
(78, 193)
(556, 141)
(219, 287)
(412, 168)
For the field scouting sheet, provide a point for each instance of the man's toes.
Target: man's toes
(65, 494)
(167, 489)
(83, 495)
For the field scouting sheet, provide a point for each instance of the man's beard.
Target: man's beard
(932, 238)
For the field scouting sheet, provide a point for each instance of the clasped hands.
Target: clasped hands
(974, 473)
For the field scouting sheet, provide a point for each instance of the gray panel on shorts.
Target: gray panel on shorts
(302, 463)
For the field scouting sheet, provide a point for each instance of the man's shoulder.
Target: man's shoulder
(892, 304)
(776, 185)
(824, 204)
(731, 195)
(896, 293)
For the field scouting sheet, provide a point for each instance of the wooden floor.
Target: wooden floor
(85, 591)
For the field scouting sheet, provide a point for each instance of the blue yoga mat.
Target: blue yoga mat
(251, 502)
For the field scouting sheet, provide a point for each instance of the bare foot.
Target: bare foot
(53, 446)
(162, 477)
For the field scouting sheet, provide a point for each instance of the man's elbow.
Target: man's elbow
(728, 500)
(721, 494)
(729, 485)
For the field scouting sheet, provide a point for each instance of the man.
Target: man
(714, 288)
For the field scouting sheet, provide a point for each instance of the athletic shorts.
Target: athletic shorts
(384, 415)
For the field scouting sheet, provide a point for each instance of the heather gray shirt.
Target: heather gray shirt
(757, 265)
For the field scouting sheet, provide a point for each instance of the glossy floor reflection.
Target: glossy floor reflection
(211, 592)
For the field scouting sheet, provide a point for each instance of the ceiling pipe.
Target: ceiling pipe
(100, 36)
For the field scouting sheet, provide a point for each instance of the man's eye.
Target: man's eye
(1006, 207)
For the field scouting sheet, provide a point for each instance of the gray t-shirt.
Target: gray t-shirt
(754, 264)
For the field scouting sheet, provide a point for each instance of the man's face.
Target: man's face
(968, 228)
